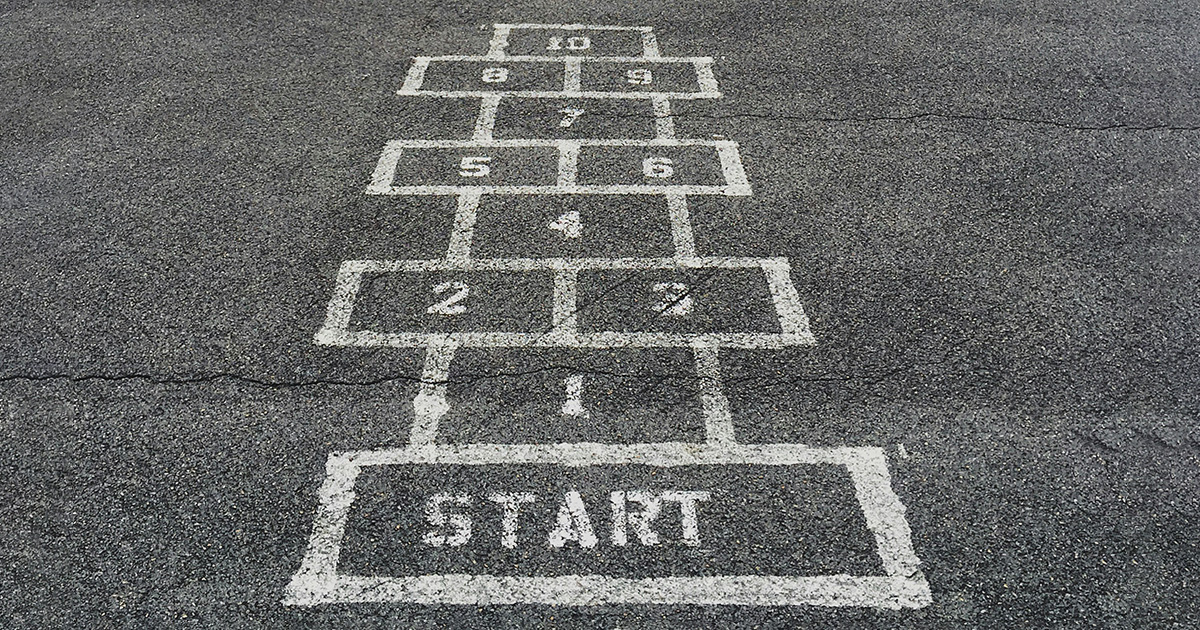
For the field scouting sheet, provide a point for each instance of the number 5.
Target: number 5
(474, 166)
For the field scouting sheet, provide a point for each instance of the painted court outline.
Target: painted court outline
(318, 581)
(903, 586)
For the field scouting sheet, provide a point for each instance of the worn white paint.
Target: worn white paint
(430, 403)
(573, 405)
(510, 503)
(902, 586)
(634, 513)
(564, 304)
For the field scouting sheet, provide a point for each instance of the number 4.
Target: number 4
(569, 224)
(570, 115)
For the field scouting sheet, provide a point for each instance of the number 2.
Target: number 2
(450, 305)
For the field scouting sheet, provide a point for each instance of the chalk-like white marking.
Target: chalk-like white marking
(562, 58)
(572, 75)
(385, 169)
(731, 166)
(736, 183)
(570, 223)
(705, 76)
(792, 318)
(499, 43)
(681, 226)
(631, 94)
(664, 122)
(563, 312)
(568, 163)
(720, 145)
(793, 321)
(510, 521)
(572, 27)
(690, 520)
(459, 525)
(573, 405)
(430, 403)
(486, 121)
(718, 421)
(650, 45)
(901, 451)
(574, 525)
(581, 189)
(464, 227)
(416, 75)
(903, 586)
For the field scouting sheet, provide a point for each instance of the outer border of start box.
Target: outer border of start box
(903, 585)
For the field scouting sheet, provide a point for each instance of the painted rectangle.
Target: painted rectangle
(565, 331)
(399, 167)
(676, 300)
(492, 75)
(475, 166)
(668, 471)
(584, 42)
(641, 76)
(503, 395)
(454, 301)
(572, 226)
(696, 165)
(575, 118)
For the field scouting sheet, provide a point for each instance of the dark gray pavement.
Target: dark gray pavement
(992, 212)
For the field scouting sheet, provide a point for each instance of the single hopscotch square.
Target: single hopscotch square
(901, 585)
(575, 118)
(540, 395)
(572, 226)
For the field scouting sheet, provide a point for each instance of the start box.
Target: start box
(588, 524)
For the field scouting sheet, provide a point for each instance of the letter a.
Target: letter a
(573, 523)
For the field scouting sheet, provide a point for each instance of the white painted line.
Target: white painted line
(792, 318)
(464, 227)
(486, 121)
(430, 403)
(681, 226)
(535, 264)
(731, 166)
(565, 305)
(572, 75)
(718, 421)
(568, 164)
(555, 94)
(385, 169)
(337, 314)
(664, 122)
(573, 27)
(416, 75)
(560, 59)
(650, 45)
(499, 43)
(318, 582)
(606, 189)
(720, 145)
(704, 72)
(560, 339)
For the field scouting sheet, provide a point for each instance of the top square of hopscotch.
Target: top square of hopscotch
(542, 46)
(577, 40)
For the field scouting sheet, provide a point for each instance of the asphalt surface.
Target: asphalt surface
(991, 212)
